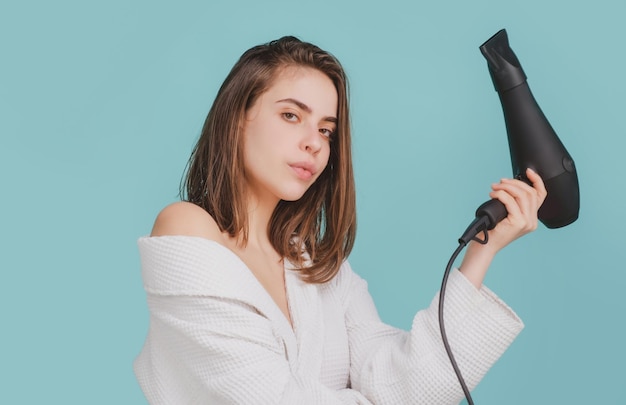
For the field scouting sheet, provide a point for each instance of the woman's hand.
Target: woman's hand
(522, 202)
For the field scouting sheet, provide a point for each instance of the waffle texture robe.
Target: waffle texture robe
(217, 337)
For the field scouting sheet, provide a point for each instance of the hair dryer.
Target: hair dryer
(532, 144)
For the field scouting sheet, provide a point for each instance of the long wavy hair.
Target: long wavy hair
(316, 232)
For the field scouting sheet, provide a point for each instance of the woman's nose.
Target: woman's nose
(312, 140)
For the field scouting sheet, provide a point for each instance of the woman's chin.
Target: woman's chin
(292, 197)
(294, 194)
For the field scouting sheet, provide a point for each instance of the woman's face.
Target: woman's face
(287, 134)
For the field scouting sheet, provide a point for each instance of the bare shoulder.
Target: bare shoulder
(188, 219)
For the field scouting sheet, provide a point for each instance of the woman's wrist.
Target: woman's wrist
(476, 262)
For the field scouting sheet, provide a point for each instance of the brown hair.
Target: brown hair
(324, 219)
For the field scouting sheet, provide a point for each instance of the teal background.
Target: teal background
(101, 103)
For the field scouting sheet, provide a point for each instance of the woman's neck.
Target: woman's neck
(259, 214)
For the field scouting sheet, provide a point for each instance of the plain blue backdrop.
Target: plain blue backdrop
(101, 103)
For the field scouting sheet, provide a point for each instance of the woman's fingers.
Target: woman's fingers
(535, 194)
(520, 212)
(538, 184)
(521, 200)
(512, 207)
(524, 194)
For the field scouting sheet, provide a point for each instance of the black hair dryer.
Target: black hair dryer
(532, 141)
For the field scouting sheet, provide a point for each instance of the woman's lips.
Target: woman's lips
(303, 171)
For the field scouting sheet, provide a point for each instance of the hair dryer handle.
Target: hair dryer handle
(487, 217)
(494, 210)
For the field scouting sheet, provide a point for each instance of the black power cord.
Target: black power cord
(481, 224)
(442, 328)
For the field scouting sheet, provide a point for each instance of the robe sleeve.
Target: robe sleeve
(392, 366)
(205, 347)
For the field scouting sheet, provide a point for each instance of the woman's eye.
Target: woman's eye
(290, 116)
(326, 132)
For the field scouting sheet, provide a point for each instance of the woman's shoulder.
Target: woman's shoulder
(186, 219)
(185, 253)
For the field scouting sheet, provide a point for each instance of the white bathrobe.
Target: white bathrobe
(217, 337)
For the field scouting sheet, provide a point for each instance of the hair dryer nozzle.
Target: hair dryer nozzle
(504, 67)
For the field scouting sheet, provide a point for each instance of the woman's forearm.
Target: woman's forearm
(476, 262)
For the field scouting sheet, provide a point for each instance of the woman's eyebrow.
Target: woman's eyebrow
(305, 108)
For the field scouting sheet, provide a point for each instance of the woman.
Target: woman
(251, 298)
